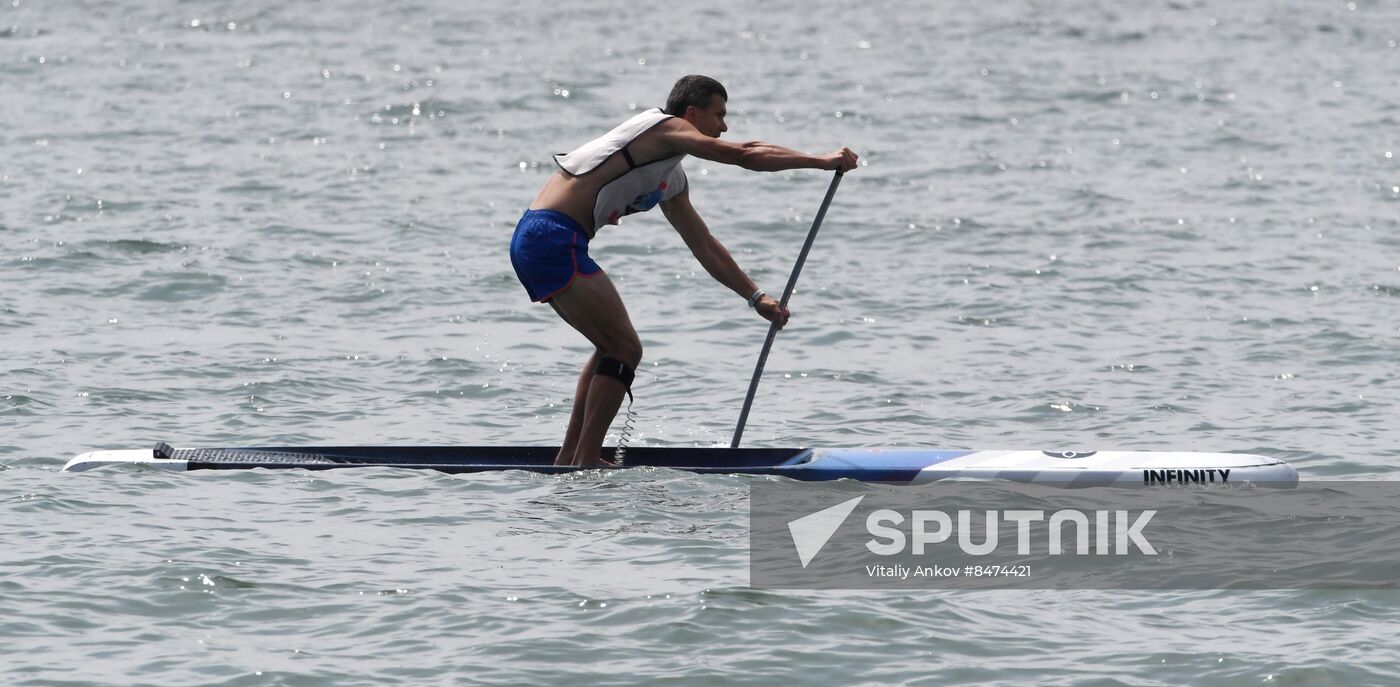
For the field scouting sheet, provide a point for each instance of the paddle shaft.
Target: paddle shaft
(787, 293)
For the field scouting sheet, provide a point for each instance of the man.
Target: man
(633, 168)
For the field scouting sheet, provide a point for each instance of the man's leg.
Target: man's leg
(593, 307)
(566, 450)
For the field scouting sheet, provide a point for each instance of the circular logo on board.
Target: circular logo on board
(1069, 454)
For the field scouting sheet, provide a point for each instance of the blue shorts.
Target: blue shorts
(548, 250)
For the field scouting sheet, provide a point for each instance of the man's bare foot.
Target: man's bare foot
(599, 464)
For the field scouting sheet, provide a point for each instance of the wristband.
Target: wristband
(756, 297)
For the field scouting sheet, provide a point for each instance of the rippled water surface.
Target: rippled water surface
(1145, 225)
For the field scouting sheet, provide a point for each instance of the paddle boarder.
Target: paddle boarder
(634, 168)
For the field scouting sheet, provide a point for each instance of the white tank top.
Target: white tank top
(641, 187)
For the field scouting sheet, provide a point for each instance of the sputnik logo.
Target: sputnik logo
(811, 532)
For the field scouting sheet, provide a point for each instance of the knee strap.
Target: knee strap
(612, 367)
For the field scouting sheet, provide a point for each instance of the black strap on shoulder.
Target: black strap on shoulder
(631, 164)
(612, 367)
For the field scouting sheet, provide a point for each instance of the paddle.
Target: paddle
(787, 293)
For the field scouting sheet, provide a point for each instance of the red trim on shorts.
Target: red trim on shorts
(573, 254)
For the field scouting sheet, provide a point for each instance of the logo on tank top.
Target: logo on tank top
(647, 201)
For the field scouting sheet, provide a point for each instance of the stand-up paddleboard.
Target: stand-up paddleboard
(907, 465)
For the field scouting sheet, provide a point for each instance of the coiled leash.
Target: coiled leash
(612, 367)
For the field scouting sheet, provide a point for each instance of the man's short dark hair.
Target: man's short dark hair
(693, 90)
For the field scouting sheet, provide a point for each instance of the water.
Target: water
(1079, 224)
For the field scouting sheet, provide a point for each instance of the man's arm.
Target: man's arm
(715, 257)
(754, 155)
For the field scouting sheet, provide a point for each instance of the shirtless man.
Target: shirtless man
(634, 168)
